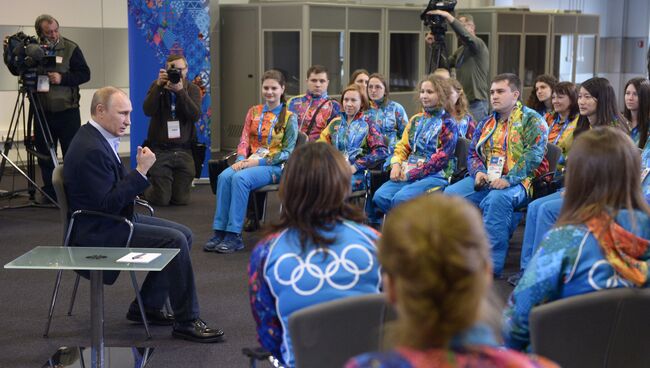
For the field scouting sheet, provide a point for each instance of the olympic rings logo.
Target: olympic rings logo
(336, 263)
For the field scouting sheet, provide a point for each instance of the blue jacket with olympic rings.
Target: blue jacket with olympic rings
(284, 277)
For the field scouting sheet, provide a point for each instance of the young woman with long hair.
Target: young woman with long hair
(600, 240)
(637, 109)
(540, 96)
(268, 138)
(298, 263)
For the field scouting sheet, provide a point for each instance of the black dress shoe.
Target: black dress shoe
(197, 331)
(154, 317)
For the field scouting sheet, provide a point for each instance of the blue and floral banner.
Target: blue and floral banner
(158, 28)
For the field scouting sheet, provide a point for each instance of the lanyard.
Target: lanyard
(557, 120)
(259, 128)
(505, 138)
(343, 133)
(419, 130)
(173, 100)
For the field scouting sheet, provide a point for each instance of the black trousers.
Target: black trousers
(63, 126)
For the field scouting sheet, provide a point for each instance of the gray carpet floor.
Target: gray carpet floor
(221, 284)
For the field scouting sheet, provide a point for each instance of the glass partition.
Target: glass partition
(563, 57)
(585, 58)
(282, 52)
(327, 50)
(534, 59)
(508, 61)
(364, 51)
(403, 61)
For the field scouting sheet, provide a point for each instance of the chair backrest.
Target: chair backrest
(462, 149)
(62, 199)
(553, 154)
(328, 334)
(607, 328)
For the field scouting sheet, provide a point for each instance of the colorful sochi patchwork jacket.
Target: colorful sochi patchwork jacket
(525, 145)
(359, 140)
(313, 113)
(431, 135)
(264, 133)
(391, 119)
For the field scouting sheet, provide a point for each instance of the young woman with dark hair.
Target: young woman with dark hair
(355, 135)
(298, 263)
(360, 77)
(268, 138)
(540, 96)
(600, 240)
(389, 116)
(437, 272)
(637, 109)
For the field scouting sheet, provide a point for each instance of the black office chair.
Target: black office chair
(68, 226)
(607, 328)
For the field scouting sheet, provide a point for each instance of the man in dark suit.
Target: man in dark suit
(96, 180)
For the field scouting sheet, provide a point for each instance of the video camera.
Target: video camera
(27, 58)
(436, 23)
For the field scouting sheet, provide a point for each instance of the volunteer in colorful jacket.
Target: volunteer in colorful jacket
(268, 138)
(423, 153)
(315, 109)
(601, 238)
(637, 109)
(389, 116)
(506, 150)
(356, 136)
(318, 252)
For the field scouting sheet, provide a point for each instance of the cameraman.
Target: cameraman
(173, 108)
(61, 102)
(471, 60)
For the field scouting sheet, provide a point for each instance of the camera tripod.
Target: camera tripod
(438, 56)
(36, 116)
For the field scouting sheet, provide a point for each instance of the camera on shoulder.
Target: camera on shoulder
(173, 74)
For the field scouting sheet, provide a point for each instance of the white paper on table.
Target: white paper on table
(136, 257)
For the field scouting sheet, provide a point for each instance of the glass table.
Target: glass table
(95, 260)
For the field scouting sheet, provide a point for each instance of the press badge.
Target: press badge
(413, 162)
(43, 84)
(260, 153)
(173, 129)
(59, 59)
(644, 173)
(495, 167)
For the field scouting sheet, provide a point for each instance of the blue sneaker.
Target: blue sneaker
(212, 244)
(231, 243)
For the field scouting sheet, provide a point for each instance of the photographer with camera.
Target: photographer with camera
(58, 94)
(471, 60)
(174, 105)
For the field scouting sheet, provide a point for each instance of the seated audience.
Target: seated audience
(318, 252)
(268, 138)
(356, 136)
(637, 109)
(423, 152)
(540, 96)
(315, 109)
(597, 106)
(600, 240)
(506, 150)
(460, 111)
(96, 180)
(437, 273)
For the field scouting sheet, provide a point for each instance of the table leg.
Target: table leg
(97, 318)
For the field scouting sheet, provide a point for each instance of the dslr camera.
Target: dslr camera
(174, 75)
(436, 23)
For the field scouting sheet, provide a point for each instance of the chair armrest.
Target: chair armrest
(90, 213)
(141, 202)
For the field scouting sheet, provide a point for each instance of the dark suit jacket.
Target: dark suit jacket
(95, 180)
